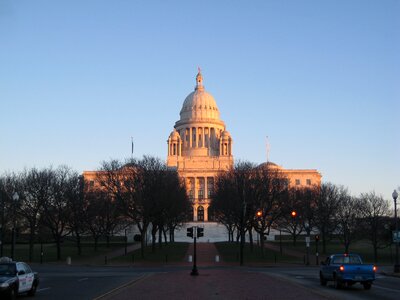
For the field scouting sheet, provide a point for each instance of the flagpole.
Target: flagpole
(132, 147)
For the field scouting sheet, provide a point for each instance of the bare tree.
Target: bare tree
(293, 214)
(56, 212)
(326, 208)
(349, 218)
(375, 210)
(8, 186)
(268, 194)
(77, 207)
(37, 188)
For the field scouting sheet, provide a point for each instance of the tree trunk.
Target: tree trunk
(58, 242)
(31, 242)
(96, 239)
(250, 231)
(165, 237)
(160, 237)
(262, 243)
(78, 243)
(108, 240)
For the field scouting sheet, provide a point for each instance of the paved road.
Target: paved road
(80, 282)
(384, 287)
(290, 282)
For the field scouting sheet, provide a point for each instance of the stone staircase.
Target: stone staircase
(213, 232)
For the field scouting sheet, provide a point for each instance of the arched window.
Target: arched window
(200, 213)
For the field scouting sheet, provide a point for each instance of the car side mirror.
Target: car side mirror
(21, 272)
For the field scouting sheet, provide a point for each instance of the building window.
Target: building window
(201, 194)
(297, 181)
(200, 213)
(308, 181)
(91, 183)
(191, 195)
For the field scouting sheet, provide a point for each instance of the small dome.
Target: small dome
(225, 135)
(270, 164)
(199, 105)
(174, 136)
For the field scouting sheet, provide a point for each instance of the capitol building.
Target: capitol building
(200, 147)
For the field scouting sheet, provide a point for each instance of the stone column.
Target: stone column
(195, 194)
(195, 212)
(205, 212)
(204, 137)
(190, 137)
(205, 188)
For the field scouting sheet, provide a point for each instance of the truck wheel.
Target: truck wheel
(367, 285)
(336, 282)
(322, 279)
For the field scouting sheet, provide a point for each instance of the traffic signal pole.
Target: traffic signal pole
(194, 272)
(195, 232)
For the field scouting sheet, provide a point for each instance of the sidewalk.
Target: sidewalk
(210, 284)
(206, 254)
(100, 259)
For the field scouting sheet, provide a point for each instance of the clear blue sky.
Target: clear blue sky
(320, 78)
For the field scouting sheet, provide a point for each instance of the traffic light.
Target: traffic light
(294, 214)
(317, 238)
(200, 232)
(190, 232)
(259, 214)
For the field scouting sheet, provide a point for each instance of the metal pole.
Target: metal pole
(194, 272)
(308, 246)
(41, 253)
(14, 237)
(316, 252)
(280, 240)
(396, 266)
(126, 243)
(1, 225)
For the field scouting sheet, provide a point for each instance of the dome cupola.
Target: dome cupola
(199, 105)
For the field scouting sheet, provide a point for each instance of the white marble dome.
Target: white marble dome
(199, 105)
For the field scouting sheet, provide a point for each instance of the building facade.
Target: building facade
(200, 148)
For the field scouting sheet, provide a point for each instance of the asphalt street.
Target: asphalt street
(88, 282)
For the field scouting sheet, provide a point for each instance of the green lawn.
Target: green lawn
(172, 252)
(67, 249)
(230, 252)
(364, 248)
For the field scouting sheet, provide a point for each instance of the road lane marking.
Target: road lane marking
(384, 288)
(43, 289)
(82, 279)
(132, 282)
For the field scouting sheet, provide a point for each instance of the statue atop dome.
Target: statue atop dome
(199, 80)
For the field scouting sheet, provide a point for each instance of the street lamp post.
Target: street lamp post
(1, 225)
(15, 200)
(396, 265)
(307, 227)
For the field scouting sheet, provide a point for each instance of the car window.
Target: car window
(7, 269)
(351, 259)
(20, 267)
(27, 268)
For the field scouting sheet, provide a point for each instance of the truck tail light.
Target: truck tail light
(341, 268)
(374, 268)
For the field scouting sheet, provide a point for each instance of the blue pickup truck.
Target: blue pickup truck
(346, 269)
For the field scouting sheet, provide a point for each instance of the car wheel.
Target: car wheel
(32, 291)
(336, 282)
(322, 279)
(367, 286)
(13, 294)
